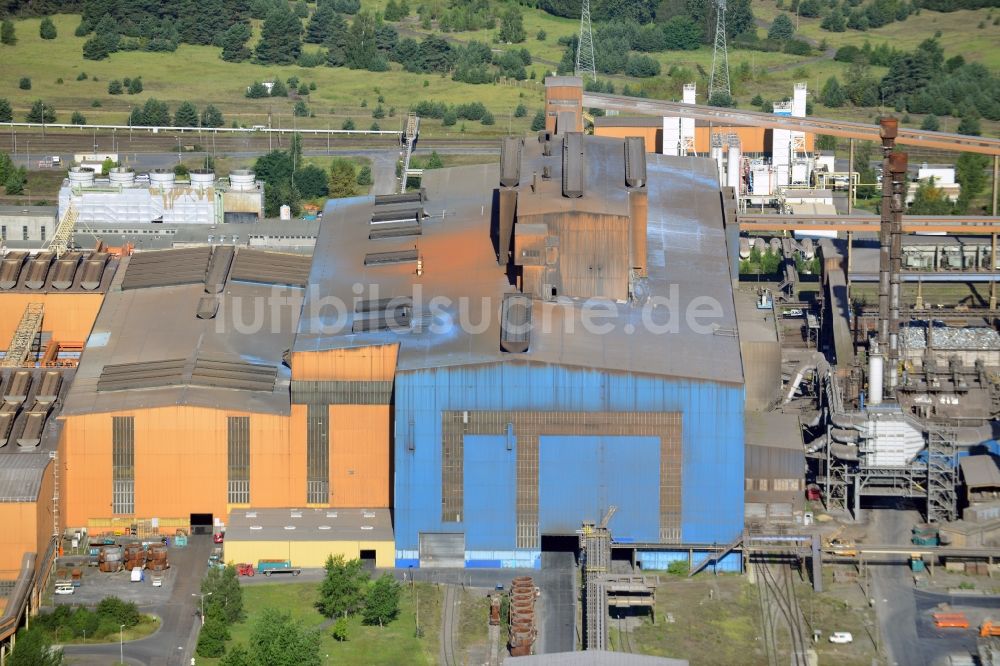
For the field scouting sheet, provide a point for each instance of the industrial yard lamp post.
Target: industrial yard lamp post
(121, 643)
(207, 594)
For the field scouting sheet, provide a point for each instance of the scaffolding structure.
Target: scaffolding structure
(64, 232)
(410, 134)
(595, 559)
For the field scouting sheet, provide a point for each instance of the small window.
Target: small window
(43, 232)
(24, 231)
(3, 232)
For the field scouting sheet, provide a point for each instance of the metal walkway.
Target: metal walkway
(63, 233)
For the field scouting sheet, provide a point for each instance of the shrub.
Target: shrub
(82, 76)
(135, 86)
(521, 111)
(24, 83)
(487, 119)
(365, 176)
(115, 87)
(47, 29)
(300, 109)
(538, 122)
(78, 118)
(347, 125)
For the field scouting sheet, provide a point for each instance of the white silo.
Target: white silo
(202, 179)
(242, 180)
(161, 179)
(122, 177)
(81, 177)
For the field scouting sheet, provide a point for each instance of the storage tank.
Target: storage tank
(875, 368)
(243, 180)
(733, 167)
(122, 177)
(161, 179)
(744, 248)
(202, 179)
(286, 212)
(81, 177)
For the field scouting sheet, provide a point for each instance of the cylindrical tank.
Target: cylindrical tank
(242, 180)
(202, 179)
(733, 167)
(161, 179)
(122, 176)
(285, 212)
(744, 248)
(808, 249)
(775, 244)
(875, 367)
(81, 177)
(759, 244)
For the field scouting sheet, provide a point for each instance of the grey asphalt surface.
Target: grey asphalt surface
(909, 637)
(173, 644)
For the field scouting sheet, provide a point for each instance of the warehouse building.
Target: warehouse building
(504, 441)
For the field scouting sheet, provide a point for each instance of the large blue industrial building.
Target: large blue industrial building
(624, 389)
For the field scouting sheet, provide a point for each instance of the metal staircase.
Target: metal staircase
(942, 502)
(410, 140)
(61, 237)
(24, 336)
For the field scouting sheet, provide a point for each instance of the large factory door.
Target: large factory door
(201, 523)
(442, 550)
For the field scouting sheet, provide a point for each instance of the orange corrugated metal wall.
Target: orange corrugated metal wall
(359, 456)
(374, 363)
(69, 317)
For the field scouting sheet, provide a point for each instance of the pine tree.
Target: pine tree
(234, 43)
(7, 34)
(212, 117)
(186, 115)
(40, 113)
(47, 29)
(6, 112)
(930, 123)
(782, 28)
(318, 27)
(833, 95)
(512, 26)
(280, 38)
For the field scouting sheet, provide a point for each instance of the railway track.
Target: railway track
(624, 640)
(779, 606)
(448, 619)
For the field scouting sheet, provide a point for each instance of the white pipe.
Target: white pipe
(876, 366)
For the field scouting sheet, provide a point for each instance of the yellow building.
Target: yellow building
(306, 537)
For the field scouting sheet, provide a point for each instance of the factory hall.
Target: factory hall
(462, 375)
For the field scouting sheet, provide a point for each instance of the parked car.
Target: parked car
(841, 637)
(65, 588)
(218, 537)
(157, 581)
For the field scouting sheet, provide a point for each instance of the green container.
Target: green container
(180, 541)
(917, 564)
(925, 541)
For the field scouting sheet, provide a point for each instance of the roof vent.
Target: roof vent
(389, 258)
(289, 527)
(510, 161)
(368, 514)
(546, 172)
(331, 514)
(635, 161)
(515, 323)
(367, 527)
(256, 527)
(251, 514)
(323, 527)
(572, 165)
(296, 513)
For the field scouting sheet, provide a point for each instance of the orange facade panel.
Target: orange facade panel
(653, 136)
(181, 463)
(373, 363)
(359, 456)
(68, 317)
(27, 527)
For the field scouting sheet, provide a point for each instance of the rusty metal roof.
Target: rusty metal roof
(232, 361)
(687, 264)
(77, 272)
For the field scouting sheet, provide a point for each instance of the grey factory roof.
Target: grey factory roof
(756, 325)
(21, 476)
(557, 81)
(628, 121)
(980, 471)
(773, 429)
(594, 658)
(949, 338)
(309, 525)
(157, 346)
(687, 260)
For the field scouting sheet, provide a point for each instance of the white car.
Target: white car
(841, 637)
(157, 581)
(65, 589)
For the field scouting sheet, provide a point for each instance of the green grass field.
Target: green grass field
(393, 644)
(197, 74)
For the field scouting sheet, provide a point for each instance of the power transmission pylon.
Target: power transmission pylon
(585, 45)
(719, 81)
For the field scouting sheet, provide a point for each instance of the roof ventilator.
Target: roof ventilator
(635, 161)
(572, 166)
(510, 161)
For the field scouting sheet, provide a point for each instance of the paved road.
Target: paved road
(558, 604)
(174, 643)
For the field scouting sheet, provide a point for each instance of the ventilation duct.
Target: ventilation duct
(510, 161)
(635, 161)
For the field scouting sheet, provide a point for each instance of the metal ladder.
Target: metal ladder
(60, 239)
(24, 336)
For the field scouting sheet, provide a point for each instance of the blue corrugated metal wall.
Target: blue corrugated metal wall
(712, 425)
(489, 492)
(580, 477)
